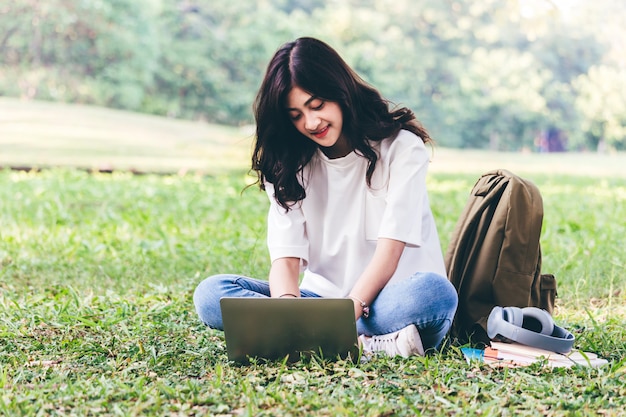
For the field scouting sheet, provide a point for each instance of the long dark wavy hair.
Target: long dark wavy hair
(280, 151)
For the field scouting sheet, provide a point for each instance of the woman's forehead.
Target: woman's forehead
(298, 98)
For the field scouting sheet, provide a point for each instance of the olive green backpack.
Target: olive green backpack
(494, 256)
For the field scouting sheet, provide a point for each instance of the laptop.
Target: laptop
(274, 328)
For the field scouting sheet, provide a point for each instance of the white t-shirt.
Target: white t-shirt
(334, 229)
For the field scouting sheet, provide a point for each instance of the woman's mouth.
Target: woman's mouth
(321, 133)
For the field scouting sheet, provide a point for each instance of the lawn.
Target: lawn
(97, 273)
(42, 134)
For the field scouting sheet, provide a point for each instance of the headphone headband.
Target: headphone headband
(558, 340)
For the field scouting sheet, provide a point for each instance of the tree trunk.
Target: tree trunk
(494, 141)
(602, 146)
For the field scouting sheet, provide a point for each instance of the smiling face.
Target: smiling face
(319, 120)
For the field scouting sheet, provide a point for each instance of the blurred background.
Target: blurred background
(506, 75)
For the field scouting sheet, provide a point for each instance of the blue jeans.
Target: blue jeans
(426, 300)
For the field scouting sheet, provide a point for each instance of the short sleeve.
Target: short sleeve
(406, 200)
(286, 230)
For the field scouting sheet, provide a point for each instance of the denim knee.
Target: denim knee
(444, 301)
(448, 296)
(206, 299)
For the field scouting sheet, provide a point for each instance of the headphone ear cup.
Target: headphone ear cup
(513, 315)
(494, 322)
(538, 320)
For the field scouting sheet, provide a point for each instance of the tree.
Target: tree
(500, 93)
(601, 100)
(213, 57)
(93, 51)
(478, 73)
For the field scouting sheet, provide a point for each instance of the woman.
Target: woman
(345, 177)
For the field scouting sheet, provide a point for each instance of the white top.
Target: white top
(334, 229)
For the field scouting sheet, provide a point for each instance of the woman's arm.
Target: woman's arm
(284, 276)
(377, 273)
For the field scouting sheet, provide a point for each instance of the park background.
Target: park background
(536, 75)
(98, 264)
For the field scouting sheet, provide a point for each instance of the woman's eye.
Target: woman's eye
(295, 117)
(319, 106)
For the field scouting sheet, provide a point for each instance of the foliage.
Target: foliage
(87, 51)
(602, 99)
(96, 318)
(485, 73)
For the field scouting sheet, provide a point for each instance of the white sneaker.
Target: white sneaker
(404, 342)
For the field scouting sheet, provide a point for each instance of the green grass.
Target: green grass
(96, 314)
(97, 273)
(43, 134)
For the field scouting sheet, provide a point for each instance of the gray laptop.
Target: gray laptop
(274, 328)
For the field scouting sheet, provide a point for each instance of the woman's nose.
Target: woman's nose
(311, 122)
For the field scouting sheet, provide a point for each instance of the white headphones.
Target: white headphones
(529, 326)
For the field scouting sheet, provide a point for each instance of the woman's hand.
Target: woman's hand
(358, 310)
